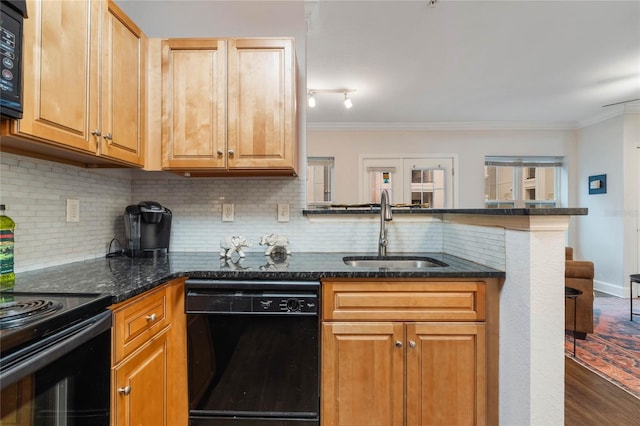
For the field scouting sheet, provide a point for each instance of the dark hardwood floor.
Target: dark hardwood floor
(591, 400)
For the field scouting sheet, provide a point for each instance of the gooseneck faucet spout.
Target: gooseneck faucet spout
(385, 216)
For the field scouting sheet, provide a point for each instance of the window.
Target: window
(522, 182)
(320, 180)
(427, 182)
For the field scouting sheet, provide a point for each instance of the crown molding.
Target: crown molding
(497, 125)
(611, 112)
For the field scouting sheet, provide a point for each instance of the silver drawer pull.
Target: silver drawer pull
(96, 132)
(412, 343)
(151, 318)
(231, 152)
(398, 343)
(125, 390)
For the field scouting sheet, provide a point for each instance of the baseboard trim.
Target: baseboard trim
(612, 289)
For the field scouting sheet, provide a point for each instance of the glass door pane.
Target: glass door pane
(428, 188)
(429, 182)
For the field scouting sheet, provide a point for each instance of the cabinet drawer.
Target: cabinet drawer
(404, 301)
(137, 321)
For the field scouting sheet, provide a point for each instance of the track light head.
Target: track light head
(347, 101)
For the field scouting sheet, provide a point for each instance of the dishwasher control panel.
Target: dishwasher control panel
(228, 297)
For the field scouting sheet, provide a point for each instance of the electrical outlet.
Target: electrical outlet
(283, 212)
(73, 210)
(227, 212)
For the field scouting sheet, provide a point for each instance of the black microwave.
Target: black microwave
(12, 13)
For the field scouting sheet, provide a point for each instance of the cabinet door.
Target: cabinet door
(261, 132)
(194, 117)
(123, 88)
(362, 374)
(446, 374)
(61, 84)
(140, 390)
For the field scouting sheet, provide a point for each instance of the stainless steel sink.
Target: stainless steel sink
(392, 262)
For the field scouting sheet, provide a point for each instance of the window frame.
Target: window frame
(522, 166)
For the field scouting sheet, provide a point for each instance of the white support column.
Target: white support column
(532, 324)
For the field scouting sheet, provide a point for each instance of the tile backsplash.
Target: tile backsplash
(35, 192)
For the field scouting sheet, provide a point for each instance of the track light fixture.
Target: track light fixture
(311, 98)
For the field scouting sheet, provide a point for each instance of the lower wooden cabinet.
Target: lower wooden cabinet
(149, 368)
(140, 396)
(446, 374)
(399, 370)
(362, 374)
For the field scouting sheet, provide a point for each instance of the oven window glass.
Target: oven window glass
(253, 365)
(71, 391)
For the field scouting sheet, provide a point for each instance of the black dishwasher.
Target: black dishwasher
(253, 352)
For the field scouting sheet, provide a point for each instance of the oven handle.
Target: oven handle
(32, 358)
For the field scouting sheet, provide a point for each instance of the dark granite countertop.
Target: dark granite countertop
(375, 209)
(123, 277)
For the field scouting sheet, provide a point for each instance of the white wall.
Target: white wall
(470, 146)
(607, 235)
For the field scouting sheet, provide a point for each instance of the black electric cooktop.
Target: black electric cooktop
(27, 317)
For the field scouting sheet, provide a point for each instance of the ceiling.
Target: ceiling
(536, 63)
(462, 64)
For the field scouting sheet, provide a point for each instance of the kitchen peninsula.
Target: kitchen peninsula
(527, 249)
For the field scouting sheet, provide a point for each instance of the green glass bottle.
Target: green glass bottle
(7, 275)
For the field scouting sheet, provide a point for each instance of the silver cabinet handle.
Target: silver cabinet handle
(96, 132)
(412, 343)
(231, 153)
(220, 153)
(108, 136)
(125, 390)
(151, 318)
(398, 343)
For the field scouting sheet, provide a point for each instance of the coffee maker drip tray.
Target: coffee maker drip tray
(160, 252)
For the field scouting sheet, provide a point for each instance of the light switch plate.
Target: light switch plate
(227, 212)
(73, 210)
(283, 212)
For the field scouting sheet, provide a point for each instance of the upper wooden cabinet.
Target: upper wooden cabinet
(84, 84)
(228, 106)
(123, 88)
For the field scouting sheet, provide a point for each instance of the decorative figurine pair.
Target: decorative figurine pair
(274, 243)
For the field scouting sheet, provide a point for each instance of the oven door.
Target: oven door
(253, 370)
(62, 380)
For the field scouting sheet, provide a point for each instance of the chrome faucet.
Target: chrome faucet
(385, 216)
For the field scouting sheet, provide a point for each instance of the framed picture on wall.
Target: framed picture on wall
(598, 184)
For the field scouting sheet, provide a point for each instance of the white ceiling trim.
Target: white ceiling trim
(612, 111)
(442, 126)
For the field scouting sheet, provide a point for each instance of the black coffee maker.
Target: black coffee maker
(147, 228)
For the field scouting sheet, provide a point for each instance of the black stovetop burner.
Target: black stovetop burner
(17, 313)
(26, 317)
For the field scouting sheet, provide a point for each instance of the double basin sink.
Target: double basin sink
(393, 262)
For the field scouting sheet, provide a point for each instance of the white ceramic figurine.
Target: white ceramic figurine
(228, 245)
(275, 241)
